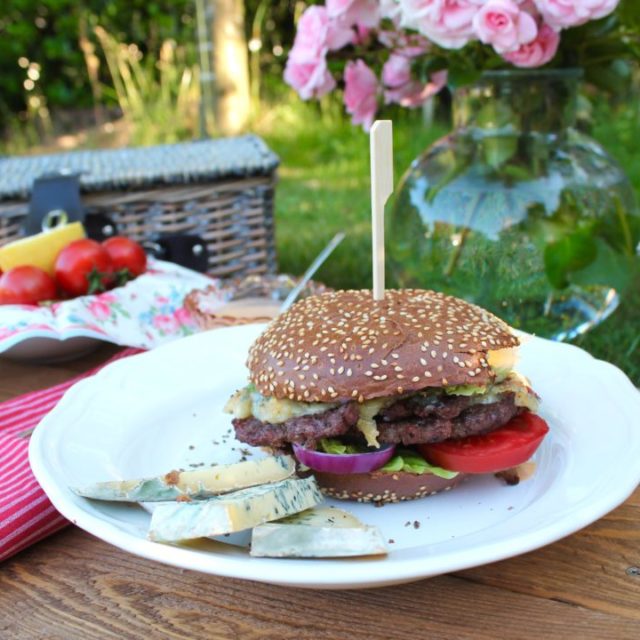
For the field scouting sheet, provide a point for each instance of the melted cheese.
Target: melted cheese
(366, 424)
(247, 402)
(502, 361)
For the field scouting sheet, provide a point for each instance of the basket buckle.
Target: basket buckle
(55, 199)
(187, 250)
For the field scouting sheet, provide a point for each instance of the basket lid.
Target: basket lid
(140, 167)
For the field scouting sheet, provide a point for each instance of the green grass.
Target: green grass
(324, 188)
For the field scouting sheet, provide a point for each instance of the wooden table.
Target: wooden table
(72, 585)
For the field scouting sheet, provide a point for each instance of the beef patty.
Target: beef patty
(477, 418)
(414, 420)
(304, 430)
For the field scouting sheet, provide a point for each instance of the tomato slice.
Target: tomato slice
(506, 447)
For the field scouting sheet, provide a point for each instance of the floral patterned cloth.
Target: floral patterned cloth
(144, 313)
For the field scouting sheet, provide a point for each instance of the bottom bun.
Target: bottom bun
(382, 487)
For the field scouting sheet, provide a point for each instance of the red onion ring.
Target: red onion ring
(344, 463)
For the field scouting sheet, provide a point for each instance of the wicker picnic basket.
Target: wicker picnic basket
(219, 190)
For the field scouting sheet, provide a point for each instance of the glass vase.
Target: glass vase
(518, 211)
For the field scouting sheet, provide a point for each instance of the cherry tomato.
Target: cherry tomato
(128, 257)
(26, 285)
(83, 266)
(506, 447)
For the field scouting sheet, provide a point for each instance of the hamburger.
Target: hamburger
(389, 400)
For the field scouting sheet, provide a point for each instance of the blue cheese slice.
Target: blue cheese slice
(173, 522)
(317, 533)
(201, 483)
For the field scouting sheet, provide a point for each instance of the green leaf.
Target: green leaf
(498, 150)
(412, 462)
(460, 76)
(335, 446)
(517, 172)
(615, 77)
(435, 63)
(609, 268)
(395, 464)
(571, 253)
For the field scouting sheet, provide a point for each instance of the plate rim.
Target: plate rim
(404, 569)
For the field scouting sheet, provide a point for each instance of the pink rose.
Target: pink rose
(409, 45)
(99, 309)
(404, 90)
(351, 12)
(448, 23)
(165, 324)
(360, 93)
(502, 24)
(396, 71)
(316, 34)
(561, 14)
(538, 51)
(309, 80)
(306, 70)
(391, 10)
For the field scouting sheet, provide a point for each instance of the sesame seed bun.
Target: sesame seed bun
(383, 487)
(344, 345)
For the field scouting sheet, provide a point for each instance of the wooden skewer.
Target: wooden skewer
(381, 146)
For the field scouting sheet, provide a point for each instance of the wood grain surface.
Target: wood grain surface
(73, 585)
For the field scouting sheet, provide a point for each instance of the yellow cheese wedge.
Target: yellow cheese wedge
(40, 250)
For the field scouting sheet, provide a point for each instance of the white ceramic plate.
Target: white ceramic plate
(162, 410)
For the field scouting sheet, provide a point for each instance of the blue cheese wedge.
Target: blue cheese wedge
(202, 483)
(317, 533)
(173, 522)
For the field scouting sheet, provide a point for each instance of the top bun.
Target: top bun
(345, 345)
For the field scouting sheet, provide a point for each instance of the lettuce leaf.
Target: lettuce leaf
(412, 462)
(332, 445)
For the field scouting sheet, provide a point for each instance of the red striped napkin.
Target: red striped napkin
(26, 515)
